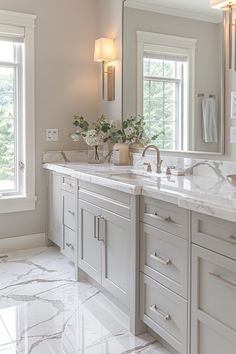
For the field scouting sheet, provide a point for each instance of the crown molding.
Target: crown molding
(145, 5)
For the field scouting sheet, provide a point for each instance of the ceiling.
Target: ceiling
(200, 7)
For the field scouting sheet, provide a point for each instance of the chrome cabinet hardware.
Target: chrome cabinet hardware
(224, 280)
(160, 313)
(159, 259)
(161, 218)
(101, 228)
(71, 212)
(70, 246)
(96, 226)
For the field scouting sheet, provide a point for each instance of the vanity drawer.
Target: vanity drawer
(163, 257)
(215, 286)
(69, 243)
(113, 200)
(166, 216)
(68, 184)
(215, 234)
(164, 312)
(69, 209)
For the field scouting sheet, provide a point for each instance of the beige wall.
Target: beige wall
(110, 25)
(208, 65)
(66, 83)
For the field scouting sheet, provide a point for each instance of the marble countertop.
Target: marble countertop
(211, 195)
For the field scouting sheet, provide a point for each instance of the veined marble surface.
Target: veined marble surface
(208, 193)
(44, 311)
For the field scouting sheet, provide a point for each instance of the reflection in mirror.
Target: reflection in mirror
(173, 76)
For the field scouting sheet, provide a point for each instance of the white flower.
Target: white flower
(94, 138)
(75, 137)
(129, 131)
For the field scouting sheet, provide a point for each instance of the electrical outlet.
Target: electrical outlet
(52, 134)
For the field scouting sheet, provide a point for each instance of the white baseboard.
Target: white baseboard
(12, 244)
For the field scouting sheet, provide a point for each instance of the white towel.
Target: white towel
(209, 120)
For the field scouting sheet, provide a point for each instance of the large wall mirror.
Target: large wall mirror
(173, 60)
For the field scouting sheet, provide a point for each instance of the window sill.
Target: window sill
(13, 204)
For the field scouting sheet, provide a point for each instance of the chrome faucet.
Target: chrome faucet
(159, 161)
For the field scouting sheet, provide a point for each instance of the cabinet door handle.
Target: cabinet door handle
(95, 228)
(161, 314)
(71, 212)
(70, 246)
(101, 227)
(224, 280)
(159, 259)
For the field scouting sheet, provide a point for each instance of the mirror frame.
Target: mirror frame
(222, 97)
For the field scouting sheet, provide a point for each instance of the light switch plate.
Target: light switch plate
(233, 105)
(233, 135)
(52, 134)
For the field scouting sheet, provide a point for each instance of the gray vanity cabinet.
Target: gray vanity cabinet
(213, 313)
(62, 213)
(89, 246)
(54, 208)
(104, 240)
(116, 255)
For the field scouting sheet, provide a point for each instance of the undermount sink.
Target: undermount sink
(131, 175)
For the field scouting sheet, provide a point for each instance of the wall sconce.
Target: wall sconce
(227, 6)
(104, 52)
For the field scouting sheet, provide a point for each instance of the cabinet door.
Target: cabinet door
(114, 234)
(55, 209)
(89, 246)
(213, 303)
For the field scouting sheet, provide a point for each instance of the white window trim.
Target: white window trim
(149, 41)
(26, 201)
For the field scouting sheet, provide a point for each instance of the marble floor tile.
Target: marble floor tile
(43, 310)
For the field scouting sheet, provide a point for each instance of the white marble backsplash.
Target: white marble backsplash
(197, 167)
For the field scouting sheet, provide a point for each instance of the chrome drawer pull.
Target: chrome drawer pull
(155, 309)
(226, 281)
(167, 219)
(70, 246)
(71, 212)
(161, 218)
(160, 260)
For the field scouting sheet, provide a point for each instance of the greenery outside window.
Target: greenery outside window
(164, 99)
(166, 88)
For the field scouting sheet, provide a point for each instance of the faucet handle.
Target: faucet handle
(149, 167)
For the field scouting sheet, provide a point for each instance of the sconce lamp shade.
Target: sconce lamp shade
(104, 50)
(222, 4)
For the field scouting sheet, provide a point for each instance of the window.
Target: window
(164, 99)
(165, 88)
(17, 176)
(11, 116)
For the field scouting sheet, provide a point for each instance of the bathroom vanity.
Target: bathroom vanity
(156, 245)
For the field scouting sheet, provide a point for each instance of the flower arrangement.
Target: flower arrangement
(133, 131)
(99, 133)
(103, 130)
